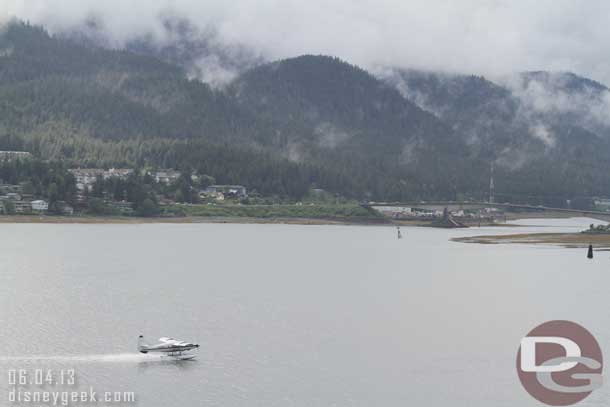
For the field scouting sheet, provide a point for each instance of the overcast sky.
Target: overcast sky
(475, 36)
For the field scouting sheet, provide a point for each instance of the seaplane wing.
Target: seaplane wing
(174, 342)
(168, 346)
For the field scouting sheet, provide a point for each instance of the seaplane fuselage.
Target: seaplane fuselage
(168, 347)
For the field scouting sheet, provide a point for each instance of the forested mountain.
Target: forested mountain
(546, 132)
(90, 105)
(114, 94)
(326, 110)
(93, 106)
(306, 122)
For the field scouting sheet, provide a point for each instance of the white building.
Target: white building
(227, 190)
(10, 155)
(39, 205)
(86, 177)
(121, 173)
(166, 176)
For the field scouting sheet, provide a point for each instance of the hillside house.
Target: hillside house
(39, 205)
(85, 177)
(11, 155)
(166, 176)
(228, 191)
(23, 206)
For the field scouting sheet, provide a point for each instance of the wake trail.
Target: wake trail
(90, 358)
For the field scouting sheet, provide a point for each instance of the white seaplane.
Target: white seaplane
(168, 347)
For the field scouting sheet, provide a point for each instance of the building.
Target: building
(166, 176)
(601, 203)
(121, 173)
(395, 211)
(22, 206)
(86, 177)
(11, 155)
(218, 196)
(39, 205)
(65, 208)
(13, 196)
(227, 191)
(10, 188)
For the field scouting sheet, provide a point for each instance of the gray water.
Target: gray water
(290, 315)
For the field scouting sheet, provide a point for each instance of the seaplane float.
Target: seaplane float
(169, 348)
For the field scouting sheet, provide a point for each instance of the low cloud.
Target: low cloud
(471, 36)
(562, 97)
(209, 69)
(329, 136)
(544, 134)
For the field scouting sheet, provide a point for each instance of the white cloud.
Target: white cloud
(551, 95)
(543, 134)
(476, 36)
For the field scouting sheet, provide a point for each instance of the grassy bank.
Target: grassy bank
(305, 214)
(347, 212)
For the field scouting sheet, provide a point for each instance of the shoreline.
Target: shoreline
(567, 240)
(295, 220)
(44, 219)
(248, 220)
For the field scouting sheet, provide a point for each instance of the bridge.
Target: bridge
(462, 205)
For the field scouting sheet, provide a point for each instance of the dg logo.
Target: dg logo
(559, 363)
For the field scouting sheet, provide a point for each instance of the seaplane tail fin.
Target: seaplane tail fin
(142, 345)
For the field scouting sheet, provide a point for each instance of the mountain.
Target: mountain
(325, 123)
(112, 94)
(323, 108)
(471, 105)
(287, 126)
(546, 132)
(94, 106)
(564, 98)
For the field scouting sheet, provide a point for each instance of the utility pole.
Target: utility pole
(491, 183)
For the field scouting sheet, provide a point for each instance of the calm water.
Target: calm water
(291, 315)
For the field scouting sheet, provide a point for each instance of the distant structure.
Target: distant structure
(86, 177)
(238, 191)
(39, 205)
(11, 155)
(491, 183)
(447, 221)
(166, 176)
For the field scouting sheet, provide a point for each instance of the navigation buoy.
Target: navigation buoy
(590, 252)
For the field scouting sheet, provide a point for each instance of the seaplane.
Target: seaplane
(168, 347)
